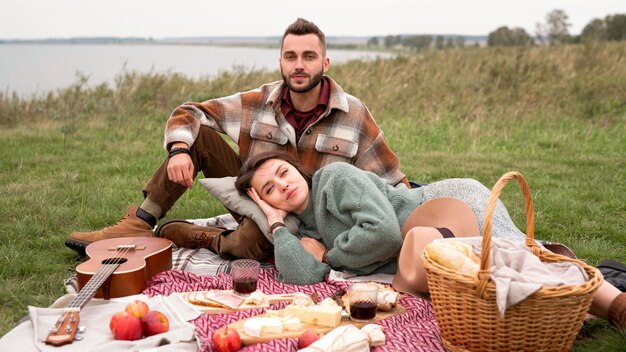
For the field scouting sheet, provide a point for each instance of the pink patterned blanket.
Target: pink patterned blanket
(414, 330)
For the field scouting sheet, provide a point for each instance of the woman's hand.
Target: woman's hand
(313, 246)
(272, 214)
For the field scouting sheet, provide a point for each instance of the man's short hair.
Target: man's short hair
(302, 27)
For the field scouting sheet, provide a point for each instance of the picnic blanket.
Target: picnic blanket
(201, 269)
(414, 330)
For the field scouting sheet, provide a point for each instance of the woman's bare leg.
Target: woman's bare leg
(610, 303)
(602, 300)
(410, 264)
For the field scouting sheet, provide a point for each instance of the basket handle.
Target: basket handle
(483, 274)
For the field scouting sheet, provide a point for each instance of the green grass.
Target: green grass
(74, 159)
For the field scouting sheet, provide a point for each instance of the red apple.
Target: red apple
(226, 340)
(307, 338)
(137, 308)
(126, 327)
(155, 322)
(117, 316)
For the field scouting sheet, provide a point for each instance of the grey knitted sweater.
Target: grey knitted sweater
(357, 215)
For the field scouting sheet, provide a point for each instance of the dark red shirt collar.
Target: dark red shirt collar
(287, 105)
(300, 120)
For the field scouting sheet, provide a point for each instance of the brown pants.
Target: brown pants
(215, 158)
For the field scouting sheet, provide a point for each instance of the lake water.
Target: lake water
(29, 69)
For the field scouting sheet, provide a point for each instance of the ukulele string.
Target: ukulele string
(103, 274)
(92, 286)
(71, 311)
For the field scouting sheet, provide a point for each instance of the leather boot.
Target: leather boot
(187, 235)
(135, 223)
(617, 312)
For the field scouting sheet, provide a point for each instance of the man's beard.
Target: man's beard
(315, 80)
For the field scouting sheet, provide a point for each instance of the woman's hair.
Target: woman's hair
(252, 164)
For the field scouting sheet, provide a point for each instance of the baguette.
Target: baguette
(454, 255)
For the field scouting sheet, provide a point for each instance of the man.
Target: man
(307, 115)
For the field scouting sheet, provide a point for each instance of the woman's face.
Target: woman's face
(281, 185)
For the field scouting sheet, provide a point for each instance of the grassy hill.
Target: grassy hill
(74, 160)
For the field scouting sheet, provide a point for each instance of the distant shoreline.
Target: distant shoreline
(266, 42)
(357, 46)
(344, 44)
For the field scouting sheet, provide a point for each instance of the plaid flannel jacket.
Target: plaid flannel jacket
(346, 131)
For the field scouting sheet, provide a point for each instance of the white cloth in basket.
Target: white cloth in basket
(517, 273)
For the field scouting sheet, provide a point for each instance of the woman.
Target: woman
(353, 220)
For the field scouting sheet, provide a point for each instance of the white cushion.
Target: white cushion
(224, 190)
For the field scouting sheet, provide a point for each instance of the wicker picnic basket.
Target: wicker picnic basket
(465, 306)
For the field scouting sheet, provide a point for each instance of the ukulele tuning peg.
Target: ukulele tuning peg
(81, 330)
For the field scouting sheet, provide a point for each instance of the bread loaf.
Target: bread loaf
(454, 255)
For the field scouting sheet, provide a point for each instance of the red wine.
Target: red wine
(245, 285)
(363, 310)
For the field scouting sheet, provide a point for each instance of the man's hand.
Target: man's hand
(180, 167)
(313, 246)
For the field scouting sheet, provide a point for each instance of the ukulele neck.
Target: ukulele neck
(107, 255)
(101, 276)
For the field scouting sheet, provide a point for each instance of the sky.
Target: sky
(38, 19)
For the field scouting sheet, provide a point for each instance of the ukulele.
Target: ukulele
(117, 267)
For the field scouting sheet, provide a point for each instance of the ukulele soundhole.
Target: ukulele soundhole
(116, 261)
